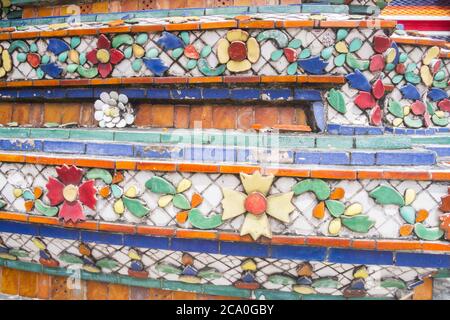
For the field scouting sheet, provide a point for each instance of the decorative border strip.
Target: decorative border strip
(111, 230)
(323, 172)
(174, 80)
(208, 289)
(349, 130)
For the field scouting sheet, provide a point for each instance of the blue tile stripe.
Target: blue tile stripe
(220, 153)
(167, 93)
(349, 130)
(262, 250)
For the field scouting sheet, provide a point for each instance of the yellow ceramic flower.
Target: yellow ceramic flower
(5, 62)
(256, 205)
(238, 50)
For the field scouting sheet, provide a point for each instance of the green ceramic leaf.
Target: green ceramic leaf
(160, 185)
(209, 274)
(341, 34)
(325, 282)
(28, 195)
(441, 122)
(121, 39)
(63, 56)
(18, 44)
(335, 207)
(281, 279)
(21, 57)
(392, 283)
(33, 47)
(319, 187)
(204, 68)
(431, 108)
(199, 221)
(135, 206)
(403, 57)
(413, 123)
(107, 263)
(83, 58)
(425, 233)
(306, 53)
(152, 53)
(19, 253)
(176, 53)
(440, 75)
(389, 67)
(40, 74)
(181, 202)
(137, 65)
(410, 67)
(46, 210)
(295, 43)
(71, 68)
(206, 51)
(167, 268)
(395, 108)
(276, 55)
(292, 68)
(355, 45)
(70, 258)
(360, 223)
(75, 42)
(412, 77)
(280, 38)
(397, 79)
(440, 84)
(87, 73)
(356, 63)
(101, 174)
(191, 64)
(142, 38)
(185, 37)
(408, 214)
(336, 99)
(326, 53)
(2, 204)
(387, 195)
(339, 60)
(116, 191)
(128, 52)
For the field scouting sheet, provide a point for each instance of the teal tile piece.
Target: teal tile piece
(276, 295)
(319, 8)
(217, 139)
(102, 277)
(176, 137)
(279, 9)
(21, 265)
(431, 140)
(365, 10)
(88, 18)
(14, 132)
(321, 297)
(226, 291)
(146, 283)
(178, 285)
(49, 133)
(130, 136)
(226, 10)
(152, 14)
(334, 142)
(78, 134)
(63, 272)
(383, 142)
(296, 141)
(194, 12)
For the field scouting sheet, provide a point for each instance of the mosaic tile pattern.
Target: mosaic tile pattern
(229, 267)
(387, 218)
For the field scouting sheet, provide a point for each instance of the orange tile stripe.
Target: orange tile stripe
(323, 173)
(416, 11)
(419, 41)
(172, 80)
(11, 33)
(316, 241)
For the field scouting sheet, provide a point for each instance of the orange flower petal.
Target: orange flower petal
(196, 200)
(406, 230)
(118, 177)
(337, 194)
(182, 217)
(105, 191)
(37, 191)
(29, 204)
(319, 210)
(421, 215)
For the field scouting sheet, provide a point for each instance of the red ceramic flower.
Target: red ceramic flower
(69, 190)
(104, 56)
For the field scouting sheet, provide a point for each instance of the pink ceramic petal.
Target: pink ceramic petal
(103, 42)
(55, 191)
(104, 69)
(116, 56)
(92, 56)
(87, 193)
(378, 89)
(364, 100)
(375, 116)
(71, 211)
(69, 175)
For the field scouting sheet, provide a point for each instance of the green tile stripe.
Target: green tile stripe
(171, 285)
(229, 138)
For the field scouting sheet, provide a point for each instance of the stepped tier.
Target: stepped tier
(248, 152)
